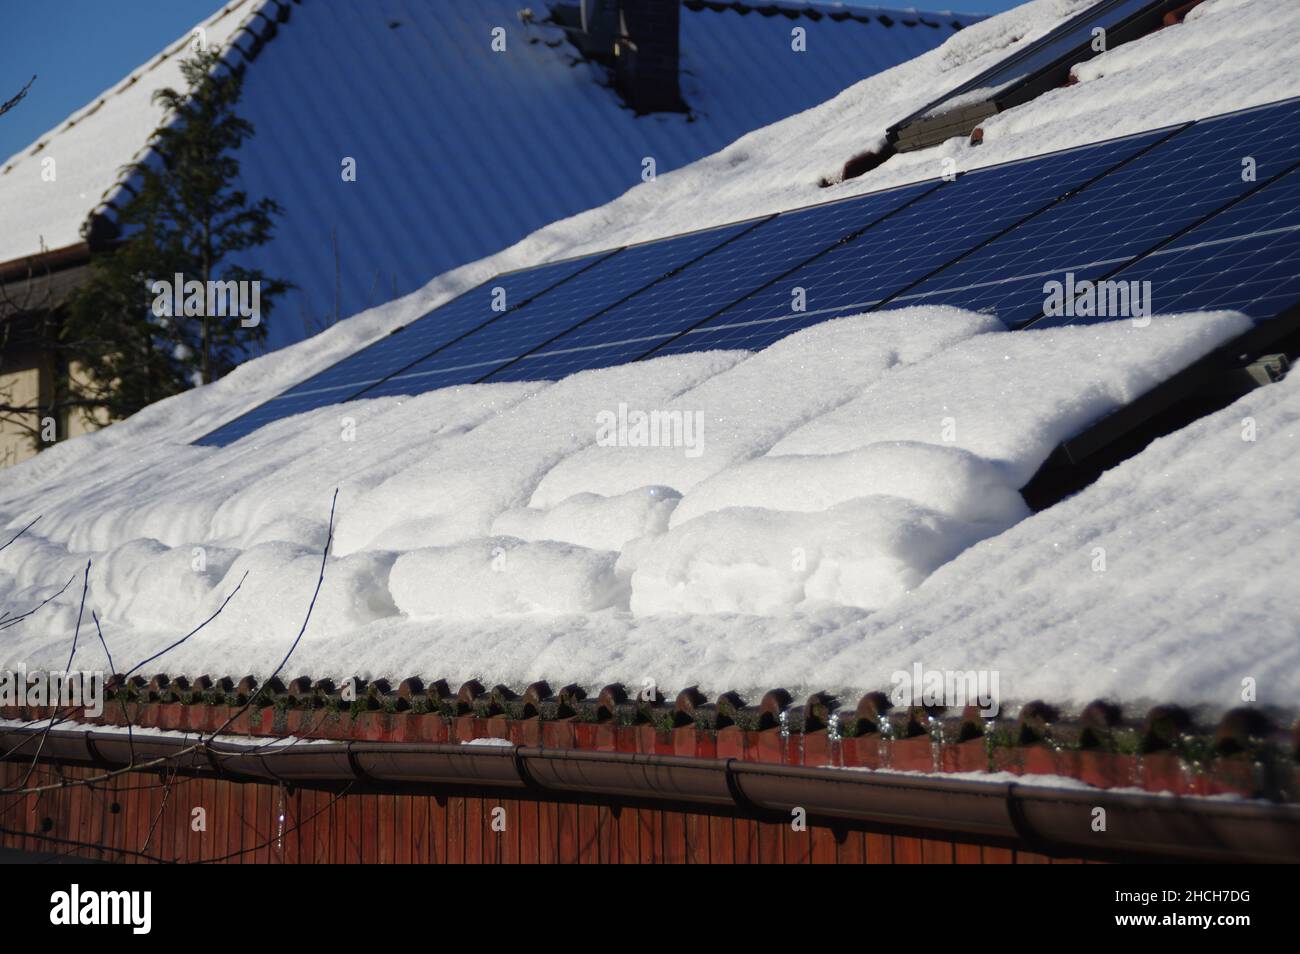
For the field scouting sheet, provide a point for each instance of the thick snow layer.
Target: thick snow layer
(439, 562)
(851, 511)
(1173, 576)
(501, 575)
(457, 493)
(945, 479)
(864, 552)
(1199, 535)
(592, 520)
(746, 410)
(1008, 398)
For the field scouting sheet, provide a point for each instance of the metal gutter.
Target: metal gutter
(1050, 820)
(39, 263)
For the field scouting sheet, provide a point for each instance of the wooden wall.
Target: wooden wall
(143, 817)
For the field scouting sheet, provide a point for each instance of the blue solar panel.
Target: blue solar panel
(1075, 34)
(906, 247)
(1173, 207)
(1121, 216)
(536, 323)
(449, 322)
(1245, 258)
(710, 284)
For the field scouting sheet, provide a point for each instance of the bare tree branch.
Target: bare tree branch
(9, 104)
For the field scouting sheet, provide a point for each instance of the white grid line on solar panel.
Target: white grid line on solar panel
(714, 281)
(920, 239)
(344, 379)
(587, 294)
(1241, 259)
(1123, 214)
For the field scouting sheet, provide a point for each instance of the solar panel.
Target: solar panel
(1070, 41)
(372, 364)
(920, 239)
(537, 322)
(1119, 217)
(1075, 38)
(1245, 258)
(1208, 213)
(708, 285)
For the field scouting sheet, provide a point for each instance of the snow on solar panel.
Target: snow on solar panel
(709, 285)
(1121, 216)
(921, 238)
(1167, 204)
(1075, 34)
(372, 364)
(1245, 258)
(588, 294)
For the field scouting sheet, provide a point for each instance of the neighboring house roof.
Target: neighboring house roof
(460, 151)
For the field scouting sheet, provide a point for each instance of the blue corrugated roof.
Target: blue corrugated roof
(461, 151)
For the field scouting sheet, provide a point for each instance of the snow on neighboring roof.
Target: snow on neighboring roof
(483, 528)
(90, 147)
(460, 151)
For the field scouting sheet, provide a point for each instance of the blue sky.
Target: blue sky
(79, 48)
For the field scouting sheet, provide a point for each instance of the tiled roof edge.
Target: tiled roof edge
(1246, 750)
(1246, 754)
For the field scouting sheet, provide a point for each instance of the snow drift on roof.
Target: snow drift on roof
(456, 484)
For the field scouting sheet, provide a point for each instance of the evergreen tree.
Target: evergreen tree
(185, 217)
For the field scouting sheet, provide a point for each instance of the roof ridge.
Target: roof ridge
(812, 10)
(126, 83)
(231, 51)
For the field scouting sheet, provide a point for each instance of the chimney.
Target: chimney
(646, 55)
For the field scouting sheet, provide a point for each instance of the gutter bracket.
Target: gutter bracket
(1025, 831)
(743, 801)
(358, 773)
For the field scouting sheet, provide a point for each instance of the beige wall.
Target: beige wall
(29, 379)
(23, 382)
(83, 420)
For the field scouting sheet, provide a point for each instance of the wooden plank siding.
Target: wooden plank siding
(243, 826)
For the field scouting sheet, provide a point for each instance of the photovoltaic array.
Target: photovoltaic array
(590, 293)
(712, 285)
(462, 316)
(1209, 212)
(918, 241)
(1126, 214)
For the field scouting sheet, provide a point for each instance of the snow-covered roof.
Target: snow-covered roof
(826, 537)
(459, 150)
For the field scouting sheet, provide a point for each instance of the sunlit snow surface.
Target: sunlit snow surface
(857, 555)
(851, 510)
